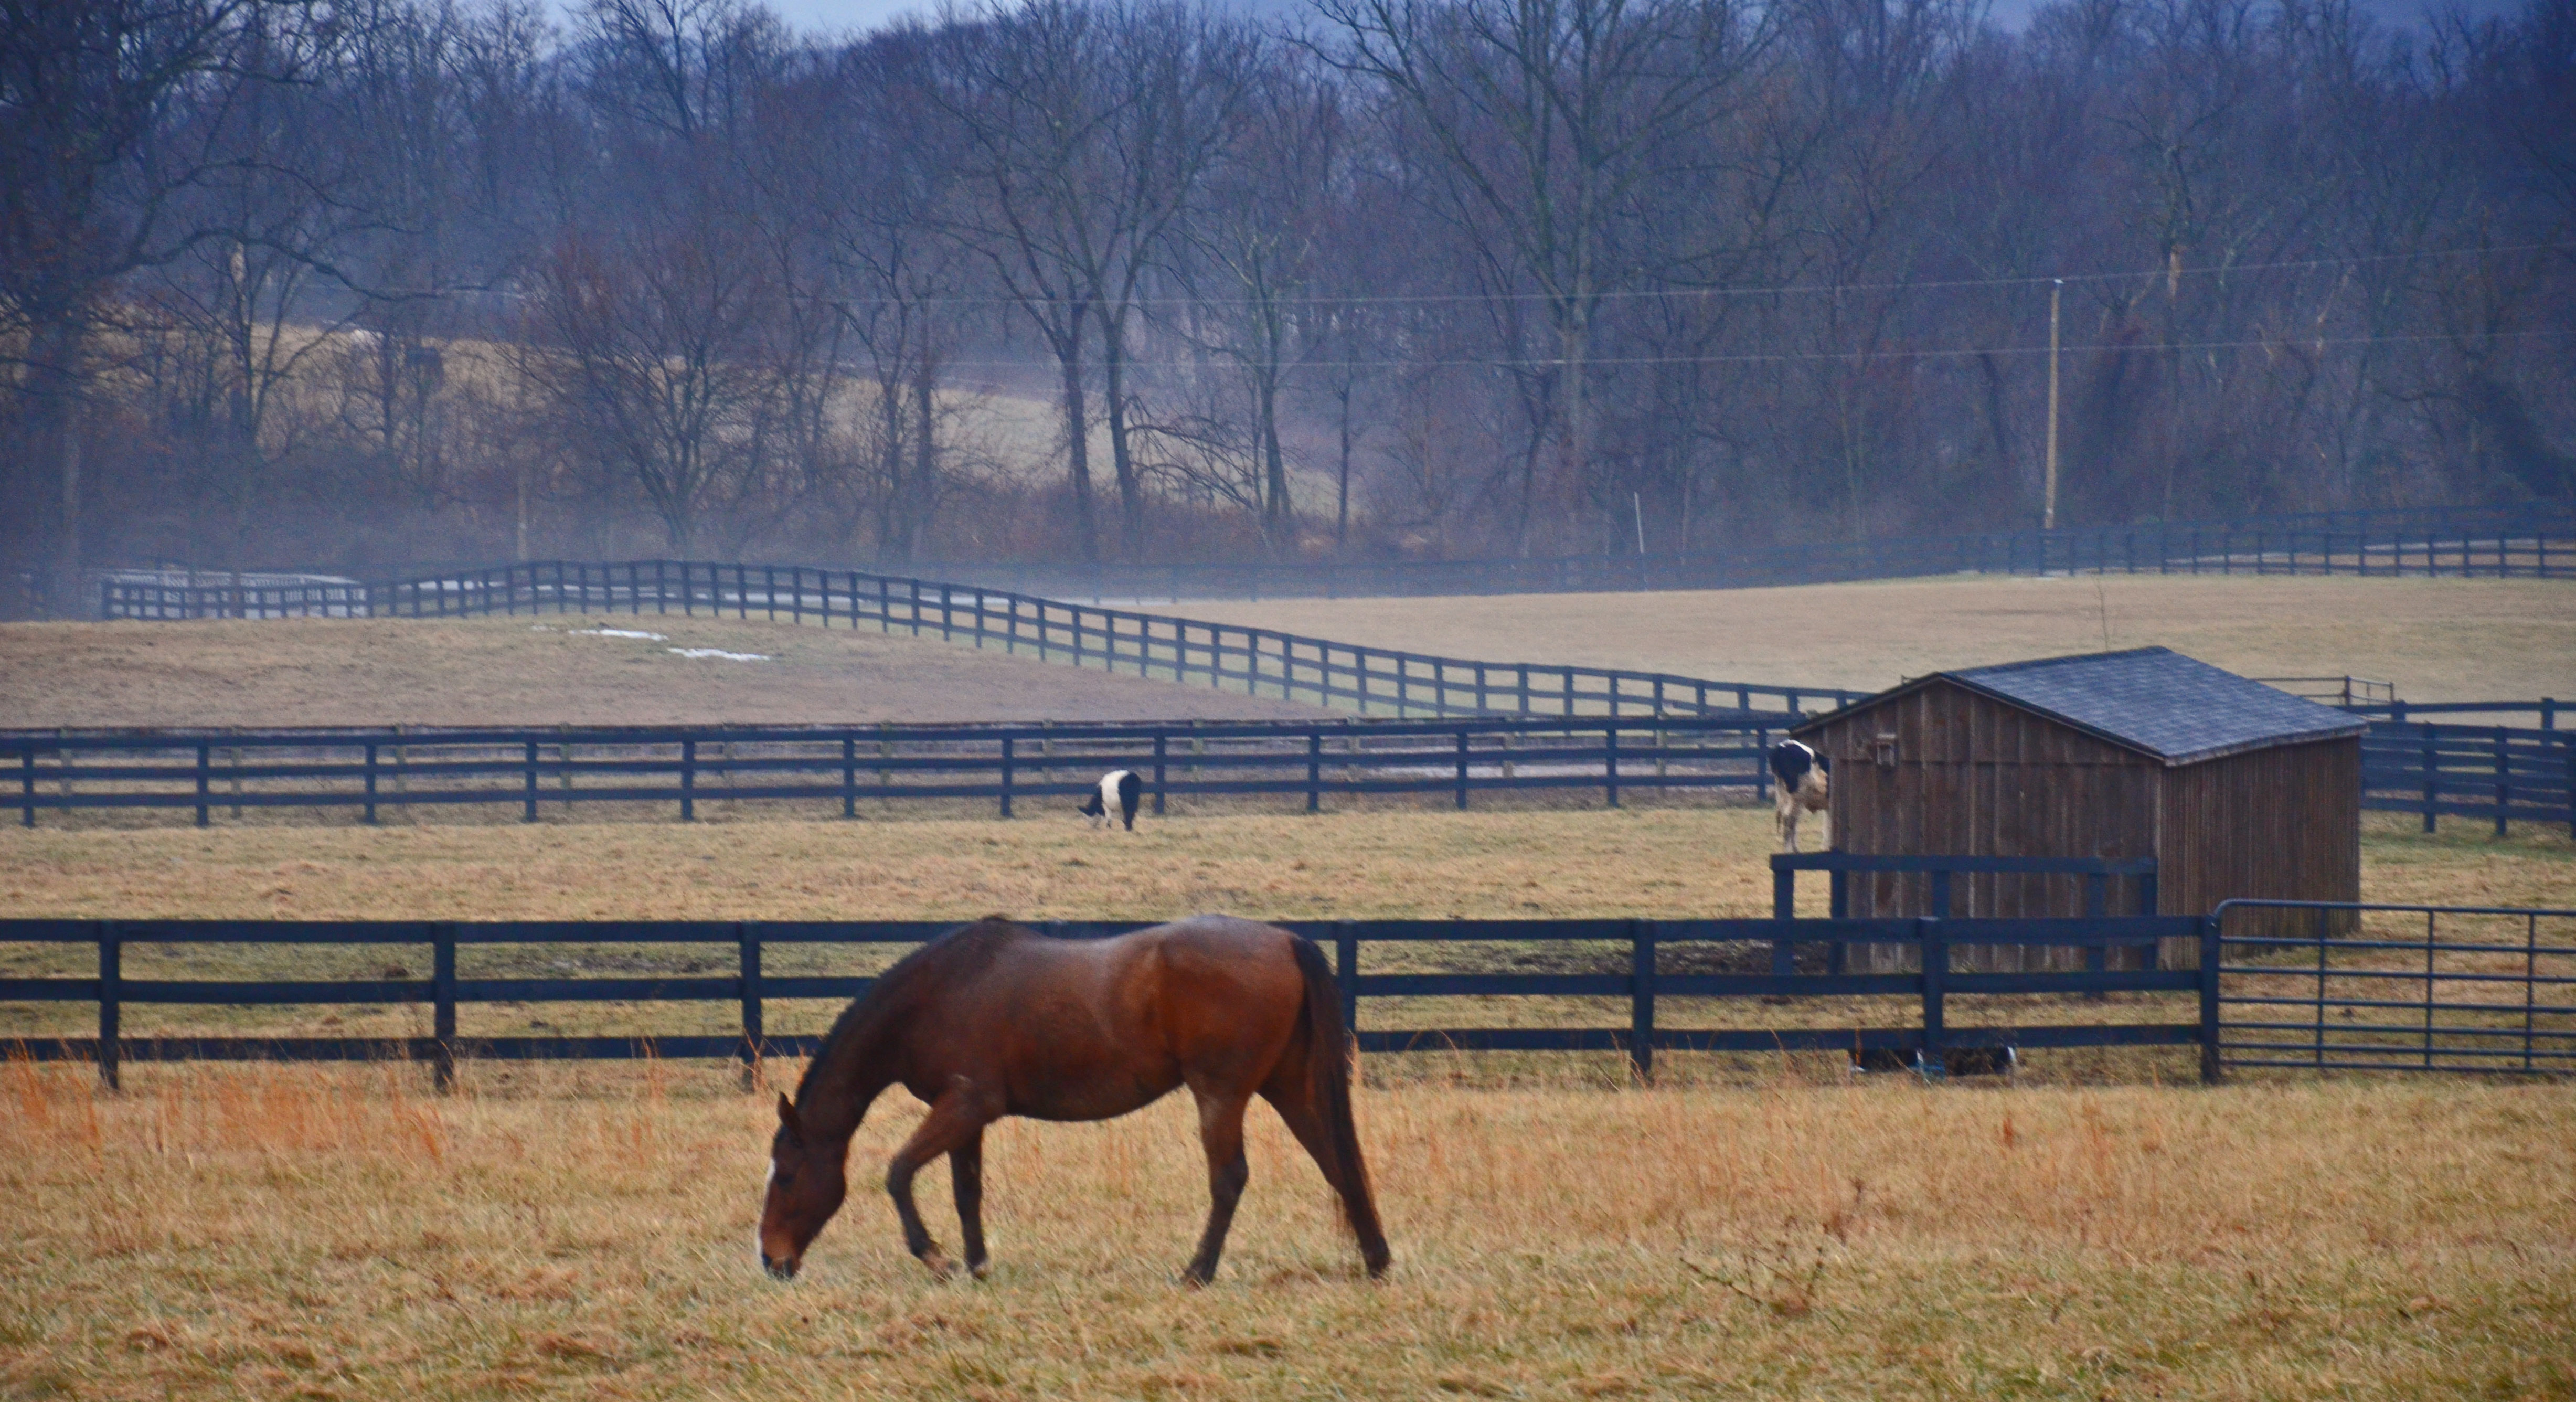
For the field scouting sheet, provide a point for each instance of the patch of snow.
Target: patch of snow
(620, 633)
(718, 652)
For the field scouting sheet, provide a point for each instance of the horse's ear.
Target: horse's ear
(787, 1116)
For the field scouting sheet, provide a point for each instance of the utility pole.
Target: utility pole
(2048, 514)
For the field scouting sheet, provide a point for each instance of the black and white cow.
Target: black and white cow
(1119, 789)
(1801, 787)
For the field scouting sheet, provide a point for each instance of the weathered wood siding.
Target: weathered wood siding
(1943, 769)
(2276, 824)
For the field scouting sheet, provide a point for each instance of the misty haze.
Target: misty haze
(404, 284)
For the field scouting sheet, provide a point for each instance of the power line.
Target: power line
(1804, 289)
(1788, 357)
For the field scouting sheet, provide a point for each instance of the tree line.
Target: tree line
(399, 281)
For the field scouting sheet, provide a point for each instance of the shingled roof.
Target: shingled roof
(2151, 699)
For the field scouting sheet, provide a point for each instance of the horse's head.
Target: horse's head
(806, 1184)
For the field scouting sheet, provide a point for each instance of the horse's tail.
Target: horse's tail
(1328, 1062)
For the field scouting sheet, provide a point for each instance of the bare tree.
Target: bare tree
(1089, 129)
(1550, 115)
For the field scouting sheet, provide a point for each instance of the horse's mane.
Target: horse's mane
(956, 955)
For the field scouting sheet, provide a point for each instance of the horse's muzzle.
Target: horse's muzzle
(779, 1268)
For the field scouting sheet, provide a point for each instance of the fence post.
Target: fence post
(1160, 738)
(442, 1025)
(1462, 769)
(1346, 970)
(2210, 1068)
(205, 759)
(850, 772)
(1610, 759)
(111, 1003)
(2568, 750)
(2503, 778)
(1315, 770)
(1936, 968)
(1784, 891)
(2432, 771)
(1006, 776)
(688, 780)
(531, 815)
(752, 1032)
(371, 783)
(1641, 999)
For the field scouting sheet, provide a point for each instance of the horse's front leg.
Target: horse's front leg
(966, 1177)
(1221, 1134)
(957, 1118)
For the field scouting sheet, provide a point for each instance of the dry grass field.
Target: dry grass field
(2438, 639)
(280, 1233)
(583, 1232)
(546, 671)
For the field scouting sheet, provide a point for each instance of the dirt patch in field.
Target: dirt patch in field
(556, 670)
(2438, 639)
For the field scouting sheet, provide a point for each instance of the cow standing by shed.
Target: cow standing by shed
(1801, 787)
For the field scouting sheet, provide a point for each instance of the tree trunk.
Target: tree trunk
(1077, 444)
(1277, 514)
(60, 345)
(1342, 494)
(1131, 504)
(925, 480)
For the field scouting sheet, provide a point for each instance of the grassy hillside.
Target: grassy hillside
(2438, 639)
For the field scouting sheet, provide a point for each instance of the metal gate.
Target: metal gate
(2356, 987)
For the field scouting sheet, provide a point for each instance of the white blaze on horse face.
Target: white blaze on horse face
(759, 1248)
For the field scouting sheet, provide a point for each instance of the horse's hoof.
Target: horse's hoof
(1196, 1279)
(941, 1268)
(979, 1269)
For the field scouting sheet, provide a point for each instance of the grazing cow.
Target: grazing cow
(1801, 772)
(1119, 789)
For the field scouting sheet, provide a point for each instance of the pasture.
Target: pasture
(2437, 639)
(547, 671)
(584, 1231)
(271, 1232)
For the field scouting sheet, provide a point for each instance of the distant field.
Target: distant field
(505, 671)
(2437, 639)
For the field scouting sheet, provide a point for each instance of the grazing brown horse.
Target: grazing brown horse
(995, 1019)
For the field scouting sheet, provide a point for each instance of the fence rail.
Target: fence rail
(538, 771)
(2361, 989)
(2535, 540)
(1257, 661)
(749, 989)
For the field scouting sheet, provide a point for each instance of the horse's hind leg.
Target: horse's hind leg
(966, 1177)
(957, 1118)
(1295, 1102)
(1221, 1134)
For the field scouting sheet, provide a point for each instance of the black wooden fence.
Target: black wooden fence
(2496, 773)
(2532, 540)
(677, 769)
(1258, 661)
(1648, 944)
(2392, 988)
(2480, 989)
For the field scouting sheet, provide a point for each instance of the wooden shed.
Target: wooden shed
(2236, 789)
